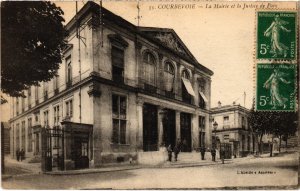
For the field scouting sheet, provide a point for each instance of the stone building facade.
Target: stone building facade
(233, 128)
(121, 92)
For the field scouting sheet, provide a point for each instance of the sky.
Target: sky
(221, 39)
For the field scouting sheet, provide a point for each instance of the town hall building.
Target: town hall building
(121, 93)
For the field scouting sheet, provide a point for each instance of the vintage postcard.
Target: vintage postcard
(149, 94)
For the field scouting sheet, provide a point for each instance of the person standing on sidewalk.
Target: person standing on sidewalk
(22, 154)
(169, 149)
(213, 154)
(177, 149)
(202, 151)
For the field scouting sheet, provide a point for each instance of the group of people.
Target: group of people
(20, 154)
(176, 150)
(178, 147)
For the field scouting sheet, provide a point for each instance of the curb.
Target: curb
(93, 171)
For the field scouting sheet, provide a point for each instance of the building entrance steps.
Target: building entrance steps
(191, 159)
(160, 158)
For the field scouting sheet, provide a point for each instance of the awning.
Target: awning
(203, 96)
(188, 87)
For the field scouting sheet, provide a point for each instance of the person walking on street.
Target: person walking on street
(169, 149)
(177, 149)
(213, 154)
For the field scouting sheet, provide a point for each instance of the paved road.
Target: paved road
(276, 171)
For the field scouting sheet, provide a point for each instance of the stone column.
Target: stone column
(208, 132)
(160, 124)
(195, 131)
(177, 116)
(139, 134)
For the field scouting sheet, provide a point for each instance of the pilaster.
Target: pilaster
(177, 116)
(139, 142)
(160, 125)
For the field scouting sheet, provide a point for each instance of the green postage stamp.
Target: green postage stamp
(276, 35)
(276, 87)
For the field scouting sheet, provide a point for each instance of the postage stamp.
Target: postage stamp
(276, 35)
(276, 87)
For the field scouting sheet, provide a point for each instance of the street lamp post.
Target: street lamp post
(215, 126)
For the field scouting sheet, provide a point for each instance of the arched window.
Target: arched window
(169, 68)
(185, 74)
(149, 68)
(169, 76)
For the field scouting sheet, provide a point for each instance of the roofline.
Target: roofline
(91, 6)
(225, 108)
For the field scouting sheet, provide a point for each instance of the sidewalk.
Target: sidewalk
(19, 168)
(178, 164)
(35, 168)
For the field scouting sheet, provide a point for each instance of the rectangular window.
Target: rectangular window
(46, 90)
(23, 104)
(226, 122)
(46, 118)
(69, 70)
(29, 97)
(18, 136)
(243, 123)
(119, 108)
(56, 84)
(29, 135)
(23, 135)
(36, 95)
(36, 116)
(117, 59)
(69, 108)
(201, 131)
(17, 105)
(226, 138)
(56, 115)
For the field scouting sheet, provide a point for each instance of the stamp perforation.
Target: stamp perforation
(276, 60)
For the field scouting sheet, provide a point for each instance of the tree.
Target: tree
(287, 126)
(279, 124)
(261, 123)
(32, 41)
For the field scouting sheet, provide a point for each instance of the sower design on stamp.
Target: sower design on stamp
(276, 87)
(276, 35)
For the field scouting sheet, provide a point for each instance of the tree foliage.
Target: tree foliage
(32, 41)
(278, 124)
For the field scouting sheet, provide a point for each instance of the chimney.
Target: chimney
(219, 104)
